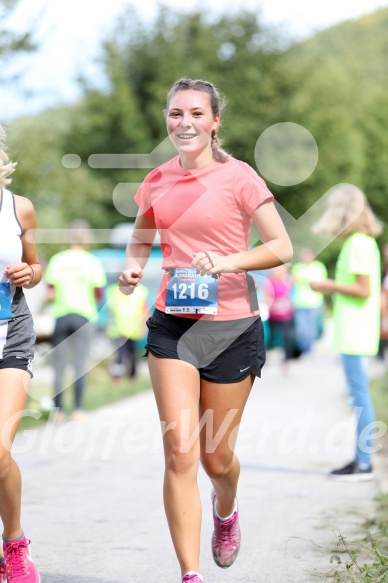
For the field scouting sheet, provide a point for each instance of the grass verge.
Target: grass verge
(366, 560)
(380, 397)
(100, 390)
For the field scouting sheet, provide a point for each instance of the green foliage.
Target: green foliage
(59, 194)
(379, 393)
(333, 84)
(140, 65)
(12, 42)
(360, 563)
(374, 128)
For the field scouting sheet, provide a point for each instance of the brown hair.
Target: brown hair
(6, 166)
(79, 233)
(217, 104)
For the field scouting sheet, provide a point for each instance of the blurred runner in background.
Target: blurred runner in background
(76, 281)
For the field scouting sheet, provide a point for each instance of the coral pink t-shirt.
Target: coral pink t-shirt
(204, 209)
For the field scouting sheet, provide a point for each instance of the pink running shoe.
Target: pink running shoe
(226, 538)
(3, 573)
(20, 568)
(192, 577)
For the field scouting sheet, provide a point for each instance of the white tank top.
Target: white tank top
(17, 337)
(10, 232)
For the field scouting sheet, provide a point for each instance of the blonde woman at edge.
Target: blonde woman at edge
(356, 314)
(19, 268)
(205, 340)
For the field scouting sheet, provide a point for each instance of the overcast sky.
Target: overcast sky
(69, 32)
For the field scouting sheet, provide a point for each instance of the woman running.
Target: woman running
(205, 343)
(19, 268)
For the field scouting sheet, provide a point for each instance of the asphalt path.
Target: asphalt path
(92, 491)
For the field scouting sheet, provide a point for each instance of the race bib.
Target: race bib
(190, 293)
(5, 301)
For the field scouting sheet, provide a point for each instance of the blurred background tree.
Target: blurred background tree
(333, 84)
(11, 42)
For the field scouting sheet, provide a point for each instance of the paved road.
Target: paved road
(93, 491)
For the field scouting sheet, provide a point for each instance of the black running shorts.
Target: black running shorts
(17, 362)
(223, 351)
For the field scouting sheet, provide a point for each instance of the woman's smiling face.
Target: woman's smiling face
(190, 123)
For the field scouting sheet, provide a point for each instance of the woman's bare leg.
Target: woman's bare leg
(13, 395)
(226, 402)
(176, 386)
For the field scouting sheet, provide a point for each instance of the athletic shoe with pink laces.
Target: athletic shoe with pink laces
(20, 568)
(3, 573)
(192, 577)
(226, 537)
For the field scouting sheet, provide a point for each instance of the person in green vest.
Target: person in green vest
(308, 304)
(356, 310)
(76, 280)
(126, 325)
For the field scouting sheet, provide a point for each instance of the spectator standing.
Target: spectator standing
(278, 291)
(76, 280)
(308, 304)
(126, 325)
(356, 310)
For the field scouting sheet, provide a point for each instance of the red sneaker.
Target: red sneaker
(192, 577)
(3, 573)
(226, 538)
(19, 565)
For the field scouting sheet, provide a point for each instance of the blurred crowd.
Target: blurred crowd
(295, 312)
(84, 301)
